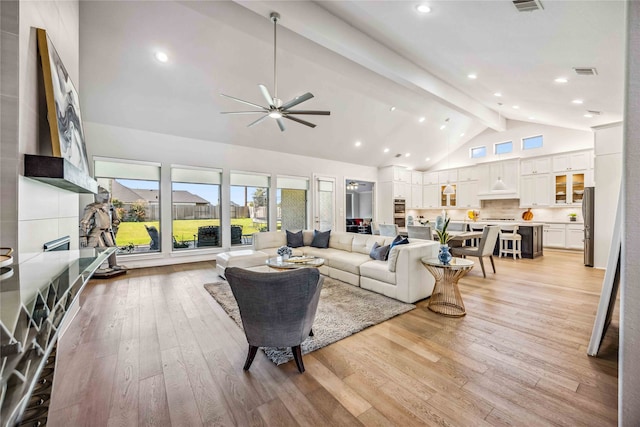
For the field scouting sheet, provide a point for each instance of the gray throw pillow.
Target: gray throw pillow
(294, 240)
(321, 239)
(379, 253)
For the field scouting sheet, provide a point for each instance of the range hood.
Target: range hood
(499, 195)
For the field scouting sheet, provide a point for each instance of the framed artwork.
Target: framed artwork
(63, 106)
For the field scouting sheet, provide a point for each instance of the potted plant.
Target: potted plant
(573, 216)
(443, 237)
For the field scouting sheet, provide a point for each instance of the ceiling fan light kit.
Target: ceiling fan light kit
(276, 109)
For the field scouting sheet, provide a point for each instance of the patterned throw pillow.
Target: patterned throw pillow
(294, 240)
(379, 253)
(321, 239)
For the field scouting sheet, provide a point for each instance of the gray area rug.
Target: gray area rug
(343, 310)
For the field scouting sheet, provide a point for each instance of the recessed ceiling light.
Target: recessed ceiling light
(421, 119)
(532, 118)
(588, 116)
(386, 150)
(516, 107)
(443, 127)
(407, 155)
(393, 108)
(561, 80)
(409, 168)
(498, 94)
(358, 143)
(577, 101)
(423, 8)
(462, 134)
(427, 159)
(472, 76)
(161, 56)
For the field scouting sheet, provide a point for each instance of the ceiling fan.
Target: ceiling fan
(276, 108)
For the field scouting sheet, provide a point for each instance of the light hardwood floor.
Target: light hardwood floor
(153, 348)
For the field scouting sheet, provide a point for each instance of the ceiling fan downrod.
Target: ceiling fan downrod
(275, 17)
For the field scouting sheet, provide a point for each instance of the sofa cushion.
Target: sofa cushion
(399, 240)
(294, 240)
(321, 239)
(269, 240)
(341, 240)
(348, 261)
(307, 237)
(378, 270)
(379, 253)
(362, 243)
(322, 253)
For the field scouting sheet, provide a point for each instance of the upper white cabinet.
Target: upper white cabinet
(448, 176)
(429, 178)
(507, 171)
(468, 194)
(431, 196)
(468, 174)
(535, 166)
(416, 178)
(402, 175)
(535, 190)
(402, 190)
(416, 197)
(572, 161)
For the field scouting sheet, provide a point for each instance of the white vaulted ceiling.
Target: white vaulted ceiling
(358, 59)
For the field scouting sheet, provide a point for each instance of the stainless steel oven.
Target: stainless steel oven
(399, 207)
(399, 221)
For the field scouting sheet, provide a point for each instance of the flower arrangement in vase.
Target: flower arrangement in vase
(443, 237)
(285, 252)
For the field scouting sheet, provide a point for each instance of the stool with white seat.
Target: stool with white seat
(509, 234)
(476, 227)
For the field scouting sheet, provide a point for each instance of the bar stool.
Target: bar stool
(476, 227)
(509, 233)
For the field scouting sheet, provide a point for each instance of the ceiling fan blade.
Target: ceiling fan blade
(244, 102)
(267, 95)
(280, 124)
(297, 100)
(258, 121)
(304, 122)
(243, 112)
(315, 112)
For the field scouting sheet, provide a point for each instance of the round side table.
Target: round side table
(446, 298)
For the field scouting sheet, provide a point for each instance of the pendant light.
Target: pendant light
(499, 185)
(448, 189)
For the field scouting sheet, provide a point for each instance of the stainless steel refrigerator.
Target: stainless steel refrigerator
(588, 203)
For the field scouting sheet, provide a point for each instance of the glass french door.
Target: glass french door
(325, 203)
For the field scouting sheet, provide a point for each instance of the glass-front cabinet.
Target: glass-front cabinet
(569, 188)
(448, 200)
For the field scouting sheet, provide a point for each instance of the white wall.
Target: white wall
(556, 140)
(44, 212)
(608, 175)
(123, 143)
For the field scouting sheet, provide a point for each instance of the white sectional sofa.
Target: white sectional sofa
(402, 277)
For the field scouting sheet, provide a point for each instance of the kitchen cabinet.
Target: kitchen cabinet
(532, 240)
(431, 196)
(448, 176)
(507, 170)
(402, 175)
(429, 178)
(468, 174)
(569, 188)
(538, 165)
(448, 200)
(575, 236)
(416, 197)
(402, 190)
(416, 178)
(572, 161)
(467, 193)
(535, 190)
(554, 235)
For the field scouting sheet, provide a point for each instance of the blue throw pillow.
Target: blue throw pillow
(321, 239)
(294, 240)
(379, 253)
(399, 240)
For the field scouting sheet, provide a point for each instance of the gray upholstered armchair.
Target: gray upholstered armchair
(277, 309)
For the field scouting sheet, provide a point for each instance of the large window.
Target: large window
(291, 200)
(249, 210)
(135, 196)
(532, 142)
(195, 208)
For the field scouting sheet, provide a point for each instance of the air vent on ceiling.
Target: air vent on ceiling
(593, 112)
(527, 5)
(586, 71)
(398, 155)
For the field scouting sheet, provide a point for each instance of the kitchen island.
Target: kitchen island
(531, 233)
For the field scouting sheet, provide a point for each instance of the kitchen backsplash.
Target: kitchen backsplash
(503, 209)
